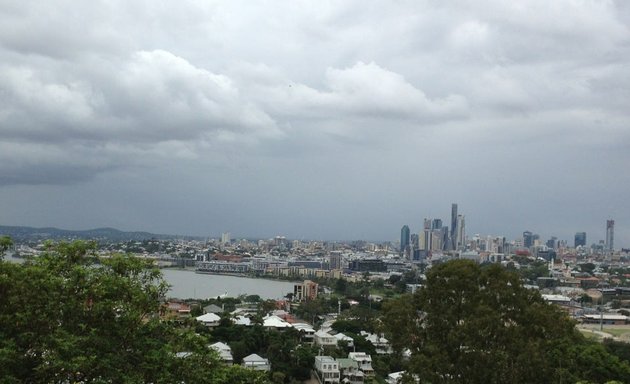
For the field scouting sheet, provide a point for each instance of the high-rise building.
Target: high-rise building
(305, 291)
(405, 237)
(528, 239)
(436, 224)
(580, 239)
(453, 226)
(461, 232)
(225, 238)
(335, 260)
(610, 235)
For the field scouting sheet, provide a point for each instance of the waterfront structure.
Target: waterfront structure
(405, 238)
(610, 235)
(580, 239)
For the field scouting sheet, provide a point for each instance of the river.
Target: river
(186, 284)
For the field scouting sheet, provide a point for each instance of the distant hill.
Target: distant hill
(111, 234)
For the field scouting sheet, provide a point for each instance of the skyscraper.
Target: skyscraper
(454, 226)
(528, 239)
(610, 234)
(404, 238)
(461, 232)
(580, 239)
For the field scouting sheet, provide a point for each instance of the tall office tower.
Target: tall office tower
(404, 238)
(610, 235)
(552, 243)
(415, 241)
(436, 240)
(580, 239)
(225, 238)
(453, 239)
(425, 237)
(426, 240)
(461, 232)
(445, 240)
(335, 260)
(528, 239)
(436, 224)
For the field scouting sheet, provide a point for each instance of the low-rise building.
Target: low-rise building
(364, 360)
(256, 363)
(327, 370)
(209, 319)
(324, 339)
(350, 372)
(225, 352)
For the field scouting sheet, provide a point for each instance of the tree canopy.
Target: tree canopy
(474, 324)
(70, 317)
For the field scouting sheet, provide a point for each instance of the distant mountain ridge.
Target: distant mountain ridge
(113, 234)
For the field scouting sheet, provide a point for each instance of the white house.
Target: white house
(256, 362)
(364, 360)
(275, 322)
(225, 352)
(325, 339)
(306, 331)
(209, 319)
(341, 337)
(327, 370)
(380, 343)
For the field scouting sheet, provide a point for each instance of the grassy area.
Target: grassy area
(618, 332)
(590, 335)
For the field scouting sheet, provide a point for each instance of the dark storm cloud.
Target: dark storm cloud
(282, 111)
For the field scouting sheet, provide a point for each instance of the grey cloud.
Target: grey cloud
(308, 112)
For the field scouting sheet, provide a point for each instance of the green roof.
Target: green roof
(347, 363)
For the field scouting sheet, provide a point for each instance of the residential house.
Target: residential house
(256, 363)
(350, 372)
(271, 321)
(327, 370)
(364, 360)
(212, 308)
(176, 309)
(380, 343)
(325, 339)
(209, 319)
(225, 352)
(347, 339)
(307, 332)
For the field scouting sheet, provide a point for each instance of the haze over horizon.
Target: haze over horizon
(318, 120)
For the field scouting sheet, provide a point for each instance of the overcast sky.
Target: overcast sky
(316, 119)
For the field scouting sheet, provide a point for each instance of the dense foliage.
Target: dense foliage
(68, 317)
(474, 324)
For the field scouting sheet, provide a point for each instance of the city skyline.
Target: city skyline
(316, 120)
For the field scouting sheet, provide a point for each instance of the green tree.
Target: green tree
(5, 244)
(480, 325)
(65, 319)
